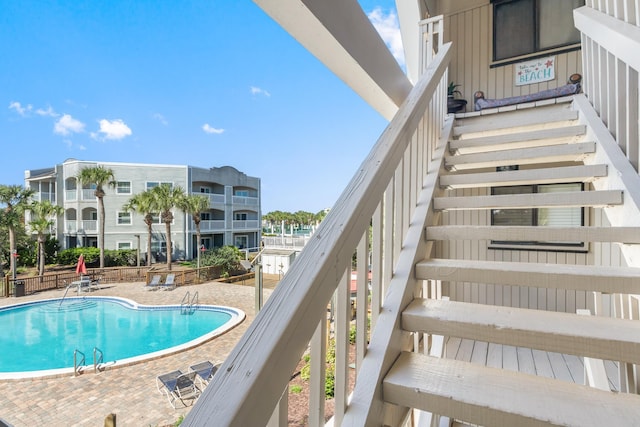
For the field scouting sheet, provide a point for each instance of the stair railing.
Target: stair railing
(386, 193)
(610, 42)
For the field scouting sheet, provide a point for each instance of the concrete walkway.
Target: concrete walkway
(129, 391)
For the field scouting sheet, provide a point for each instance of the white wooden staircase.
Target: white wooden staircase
(550, 144)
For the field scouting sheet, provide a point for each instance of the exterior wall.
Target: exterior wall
(81, 206)
(468, 24)
(606, 254)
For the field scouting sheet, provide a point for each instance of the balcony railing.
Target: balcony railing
(247, 201)
(209, 225)
(391, 192)
(39, 197)
(84, 226)
(71, 195)
(88, 194)
(213, 198)
(246, 224)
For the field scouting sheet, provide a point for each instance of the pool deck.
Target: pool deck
(129, 392)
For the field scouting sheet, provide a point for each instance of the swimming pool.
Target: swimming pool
(39, 338)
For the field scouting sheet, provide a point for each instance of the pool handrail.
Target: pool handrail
(76, 365)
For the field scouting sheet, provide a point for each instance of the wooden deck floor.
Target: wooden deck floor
(536, 362)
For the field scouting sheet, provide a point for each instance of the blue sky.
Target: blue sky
(203, 83)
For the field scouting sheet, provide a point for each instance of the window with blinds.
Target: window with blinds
(529, 27)
(539, 217)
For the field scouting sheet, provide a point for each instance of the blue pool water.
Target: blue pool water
(43, 335)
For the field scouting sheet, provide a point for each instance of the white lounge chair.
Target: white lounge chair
(177, 385)
(154, 283)
(169, 283)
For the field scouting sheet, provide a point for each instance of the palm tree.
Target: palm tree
(143, 203)
(194, 205)
(165, 198)
(15, 199)
(100, 176)
(44, 213)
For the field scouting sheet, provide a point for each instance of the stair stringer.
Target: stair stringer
(388, 340)
(621, 176)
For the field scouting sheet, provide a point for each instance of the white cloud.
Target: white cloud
(389, 29)
(23, 111)
(159, 117)
(258, 91)
(48, 112)
(210, 129)
(114, 129)
(67, 125)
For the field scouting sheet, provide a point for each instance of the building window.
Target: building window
(156, 218)
(539, 217)
(123, 187)
(205, 190)
(124, 218)
(152, 184)
(240, 216)
(525, 27)
(124, 245)
(205, 216)
(241, 193)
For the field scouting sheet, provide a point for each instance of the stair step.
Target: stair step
(555, 153)
(534, 234)
(624, 280)
(531, 200)
(528, 139)
(533, 117)
(489, 396)
(566, 333)
(556, 175)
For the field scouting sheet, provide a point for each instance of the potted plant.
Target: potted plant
(454, 105)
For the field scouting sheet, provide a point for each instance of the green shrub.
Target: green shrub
(112, 258)
(295, 388)
(352, 334)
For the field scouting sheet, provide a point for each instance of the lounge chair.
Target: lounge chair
(177, 385)
(205, 371)
(154, 283)
(169, 283)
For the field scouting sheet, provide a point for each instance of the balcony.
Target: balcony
(210, 225)
(85, 226)
(245, 201)
(217, 199)
(249, 224)
(42, 196)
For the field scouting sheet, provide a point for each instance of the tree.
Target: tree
(194, 205)
(165, 198)
(100, 176)
(15, 199)
(43, 213)
(227, 258)
(143, 203)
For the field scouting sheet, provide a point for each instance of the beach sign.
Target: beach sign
(535, 71)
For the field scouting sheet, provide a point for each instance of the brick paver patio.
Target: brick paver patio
(129, 391)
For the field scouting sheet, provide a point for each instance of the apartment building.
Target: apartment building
(233, 217)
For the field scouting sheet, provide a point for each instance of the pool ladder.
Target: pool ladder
(78, 364)
(188, 304)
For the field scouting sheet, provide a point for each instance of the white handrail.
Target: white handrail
(251, 380)
(610, 46)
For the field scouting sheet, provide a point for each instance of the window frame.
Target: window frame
(537, 51)
(540, 245)
(120, 215)
(118, 187)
